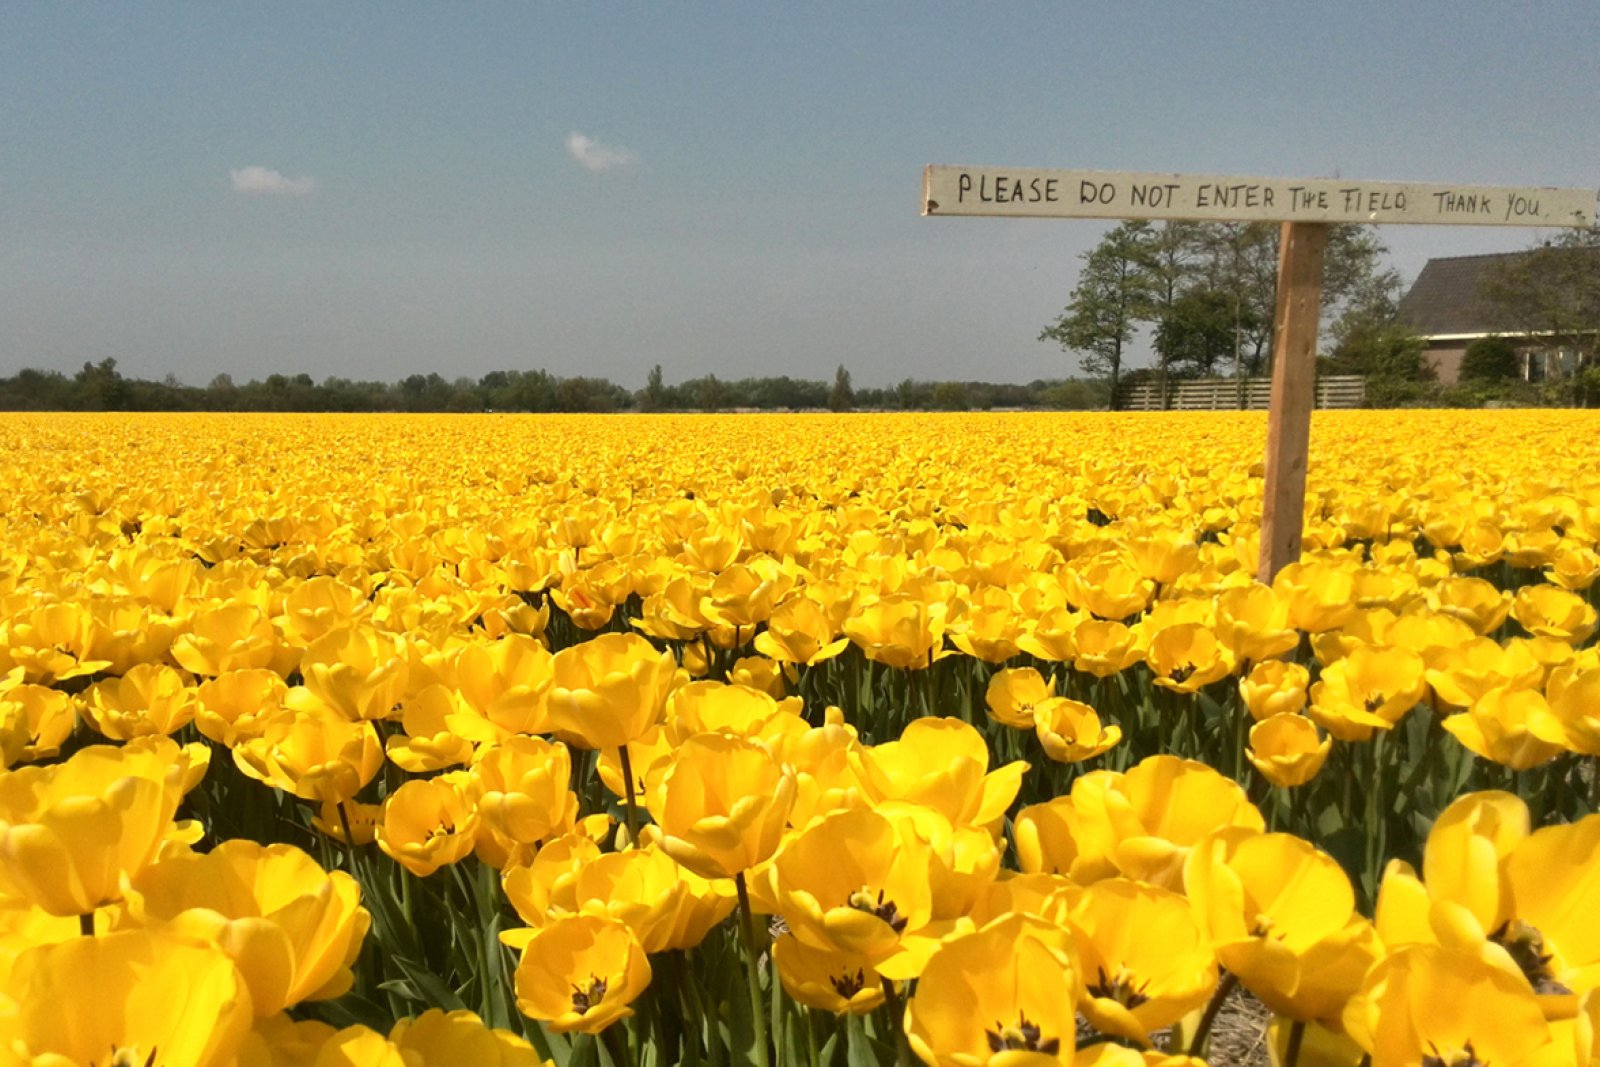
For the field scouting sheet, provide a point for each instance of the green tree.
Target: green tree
(1553, 294)
(841, 397)
(1198, 333)
(1489, 359)
(1112, 295)
(655, 391)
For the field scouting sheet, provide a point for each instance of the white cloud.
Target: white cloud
(259, 181)
(595, 156)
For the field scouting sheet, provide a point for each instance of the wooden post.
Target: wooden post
(1294, 384)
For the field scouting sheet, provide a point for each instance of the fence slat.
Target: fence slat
(1235, 394)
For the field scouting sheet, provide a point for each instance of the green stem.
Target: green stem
(1297, 1036)
(632, 804)
(891, 1000)
(616, 1046)
(1197, 1047)
(752, 972)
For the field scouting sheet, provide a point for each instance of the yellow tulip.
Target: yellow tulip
(1281, 916)
(1274, 687)
(722, 805)
(1371, 688)
(428, 823)
(828, 980)
(520, 790)
(1012, 694)
(1427, 1004)
(1070, 731)
(1512, 727)
(41, 719)
(438, 1038)
(800, 631)
(1550, 611)
(581, 973)
(359, 671)
(237, 705)
(1287, 750)
(1107, 587)
(1519, 901)
(1144, 960)
(899, 630)
(316, 756)
(503, 689)
(943, 764)
(133, 997)
(1103, 647)
(229, 637)
(73, 833)
(1253, 622)
(151, 698)
(1004, 994)
(292, 929)
(665, 905)
(609, 690)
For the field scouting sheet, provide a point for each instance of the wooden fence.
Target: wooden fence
(1232, 394)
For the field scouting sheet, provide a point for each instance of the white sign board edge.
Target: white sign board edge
(1024, 192)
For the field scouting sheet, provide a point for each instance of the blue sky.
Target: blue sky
(372, 190)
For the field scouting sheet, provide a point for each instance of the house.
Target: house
(1448, 306)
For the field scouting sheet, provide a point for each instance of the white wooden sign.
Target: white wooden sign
(1032, 193)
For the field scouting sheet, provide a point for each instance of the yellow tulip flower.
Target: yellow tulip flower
(1012, 694)
(943, 764)
(1520, 901)
(1142, 823)
(428, 823)
(1004, 994)
(1512, 727)
(665, 905)
(899, 630)
(1070, 731)
(71, 834)
(1550, 611)
(1287, 750)
(1274, 687)
(1432, 1005)
(581, 972)
(439, 1038)
(316, 756)
(800, 630)
(151, 698)
(609, 690)
(1371, 688)
(520, 789)
(1253, 622)
(828, 980)
(237, 705)
(1144, 960)
(292, 929)
(358, 671)
(132, 997)
(1281, 916)
(722, 805)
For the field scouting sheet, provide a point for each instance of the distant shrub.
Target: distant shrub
(1489, 359)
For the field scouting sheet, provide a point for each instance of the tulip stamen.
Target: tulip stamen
(129, 1057)
(1375, 701)
(863, 900)
(1120, 989)
(1181, 672)
(1525, 945)
(585, 999)
(1465, 1057)
(848, 985)
(1024, 1036)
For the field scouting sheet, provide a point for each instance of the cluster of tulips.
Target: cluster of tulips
(671, 749)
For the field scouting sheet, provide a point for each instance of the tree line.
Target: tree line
(102, 387)
(1204, 295)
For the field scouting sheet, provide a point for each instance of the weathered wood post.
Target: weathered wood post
(1305, 207)
(1294, 388)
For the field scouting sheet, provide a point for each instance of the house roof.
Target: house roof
(1447, 297)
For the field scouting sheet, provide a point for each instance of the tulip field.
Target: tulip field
(814, 740)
